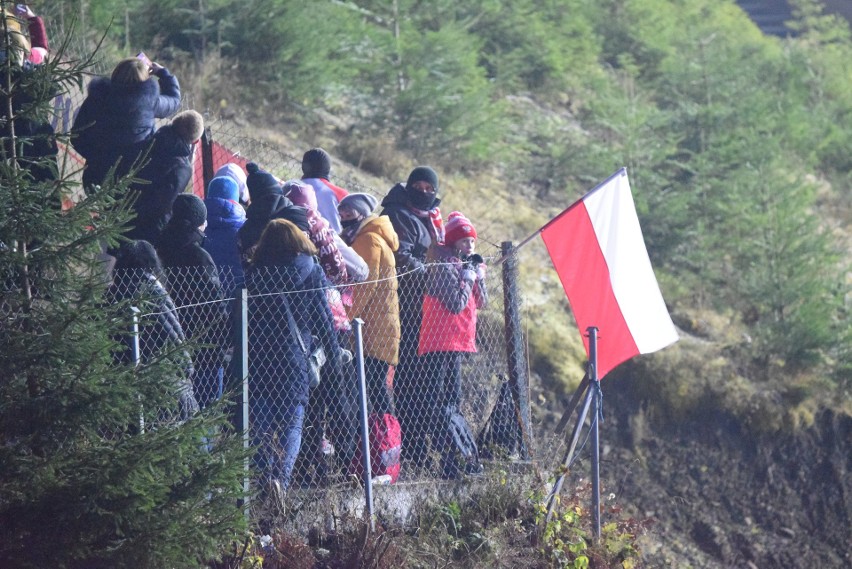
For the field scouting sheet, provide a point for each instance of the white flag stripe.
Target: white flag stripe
(613, 215)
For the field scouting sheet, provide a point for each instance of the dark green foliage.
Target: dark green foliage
(82, 487)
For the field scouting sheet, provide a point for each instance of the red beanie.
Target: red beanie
(458, 227)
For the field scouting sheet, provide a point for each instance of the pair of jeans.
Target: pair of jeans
(277, 433)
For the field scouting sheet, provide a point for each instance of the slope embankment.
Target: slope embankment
(723, 497)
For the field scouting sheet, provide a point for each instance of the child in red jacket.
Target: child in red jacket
(455, 290)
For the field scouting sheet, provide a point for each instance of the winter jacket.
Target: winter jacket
(449, 306)
(224, 220)
(193, 282)
(356, 268)
(262, 211)
(166, 174)
(277, 364)
(161, 327)
(375, 300)
(328, 198)
(415, 235)
(320, 234)
(116, 121)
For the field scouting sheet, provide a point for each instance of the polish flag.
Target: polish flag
(598, 251)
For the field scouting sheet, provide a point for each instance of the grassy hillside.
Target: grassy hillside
(734, 142)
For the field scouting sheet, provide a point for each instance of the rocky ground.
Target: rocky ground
(723, 498)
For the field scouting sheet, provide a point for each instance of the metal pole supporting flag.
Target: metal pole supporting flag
(595, 392)
(569, 456)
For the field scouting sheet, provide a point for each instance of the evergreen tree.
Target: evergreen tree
(82, 485)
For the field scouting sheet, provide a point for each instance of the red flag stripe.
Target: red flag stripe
(583, 271)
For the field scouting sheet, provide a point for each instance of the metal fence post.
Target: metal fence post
(515, 359)
(136, 354)
(240, 367)
(365, 430)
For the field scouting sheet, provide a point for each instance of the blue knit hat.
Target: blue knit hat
(223, 187)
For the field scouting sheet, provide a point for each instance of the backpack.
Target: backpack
(385, 446)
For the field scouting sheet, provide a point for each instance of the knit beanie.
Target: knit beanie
(260, 182)
(189, 209)
(237, 174)
(189, 125)
(423, 174)
(316, 163)
(458, 227)
(223, 187)
(362, 204)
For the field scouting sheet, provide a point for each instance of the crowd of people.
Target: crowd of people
(313, 257)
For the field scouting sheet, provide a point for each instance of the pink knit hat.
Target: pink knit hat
(458, 227)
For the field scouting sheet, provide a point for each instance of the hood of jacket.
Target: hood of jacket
(222, 212)
(237, 174)
(302, 194)
(177, 235)
(443, 254)
(380, 225)
(167, 144)
(276, 206)
(292, 272)
(397, 197)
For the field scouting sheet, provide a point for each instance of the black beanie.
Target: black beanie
(423, 174)
(260, 182)
(189, 209)
(316, 163)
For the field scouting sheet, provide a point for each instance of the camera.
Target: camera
(473, 261)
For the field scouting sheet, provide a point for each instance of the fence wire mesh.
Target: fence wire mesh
(309, 436)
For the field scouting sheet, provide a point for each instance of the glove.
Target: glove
(468, 275)
(480, 271)
(345, 356)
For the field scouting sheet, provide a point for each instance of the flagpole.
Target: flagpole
(595, 387)
(620, 172)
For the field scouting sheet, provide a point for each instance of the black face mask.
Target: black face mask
(349, 223)
(421, 200)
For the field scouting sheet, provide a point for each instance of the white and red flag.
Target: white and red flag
(598, 251)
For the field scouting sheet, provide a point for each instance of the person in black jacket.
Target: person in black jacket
(267, 203)
(166, 174)
(136, 276)
(194, 284)
(115, 123)
(414, 214)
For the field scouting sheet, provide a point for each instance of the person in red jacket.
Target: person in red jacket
(454, 291)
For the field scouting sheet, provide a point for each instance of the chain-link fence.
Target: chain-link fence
(444, 390)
